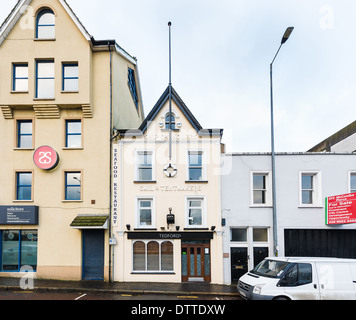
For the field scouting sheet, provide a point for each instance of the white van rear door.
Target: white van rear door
(335, 281)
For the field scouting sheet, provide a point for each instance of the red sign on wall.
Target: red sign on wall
(46, 158)
(341, 209)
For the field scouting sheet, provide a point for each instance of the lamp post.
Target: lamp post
(286, 35)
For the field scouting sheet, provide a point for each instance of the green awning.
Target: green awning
(90, 222)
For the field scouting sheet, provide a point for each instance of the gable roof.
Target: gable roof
(20, 8)
(182, 107)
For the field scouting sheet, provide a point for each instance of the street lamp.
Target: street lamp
(286, 36)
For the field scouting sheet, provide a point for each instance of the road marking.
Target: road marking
(23, 291)
(126, 295)
(187, 297)
(83, 295)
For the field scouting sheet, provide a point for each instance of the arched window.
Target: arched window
(139, 256)
(173, 122)
(45, 24)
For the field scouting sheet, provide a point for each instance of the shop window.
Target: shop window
(45, 26)
(24, 186)
(24, 134)
(20, 78)
(152, 256)
(18, 249)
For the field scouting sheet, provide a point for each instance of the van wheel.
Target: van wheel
(280, 298)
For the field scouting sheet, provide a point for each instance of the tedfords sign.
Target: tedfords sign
(18, 215)
(341, 209)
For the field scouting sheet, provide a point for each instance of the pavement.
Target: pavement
(186, 288)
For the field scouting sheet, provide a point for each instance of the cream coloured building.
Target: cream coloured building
(62, 95)
(166, 198)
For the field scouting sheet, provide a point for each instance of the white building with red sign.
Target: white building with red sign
(311, 190)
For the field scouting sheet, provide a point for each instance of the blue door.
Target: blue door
(93, 254)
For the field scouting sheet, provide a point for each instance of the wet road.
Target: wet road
(38, 295)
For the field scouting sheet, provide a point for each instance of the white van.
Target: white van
(300, 279)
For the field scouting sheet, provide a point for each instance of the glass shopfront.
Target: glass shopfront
(18, 248)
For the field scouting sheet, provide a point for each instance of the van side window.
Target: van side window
(300, 274)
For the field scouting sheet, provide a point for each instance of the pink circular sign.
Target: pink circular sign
(46, 158)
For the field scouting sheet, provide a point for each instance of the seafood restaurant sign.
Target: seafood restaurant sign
(341, 209)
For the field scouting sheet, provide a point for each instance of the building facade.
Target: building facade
(303, 182)
(62, 95)
(167, 224)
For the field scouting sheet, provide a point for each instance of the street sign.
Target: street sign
(340, 209)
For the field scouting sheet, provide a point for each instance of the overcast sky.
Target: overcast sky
(221, 52)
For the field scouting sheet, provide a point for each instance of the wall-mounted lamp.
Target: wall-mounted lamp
(177, 228)
(170, 217)
(128, 227)
(212, 228)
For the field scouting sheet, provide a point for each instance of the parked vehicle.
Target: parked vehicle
(297, 278)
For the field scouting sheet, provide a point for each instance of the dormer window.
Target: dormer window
(173, 122)
(45, 25)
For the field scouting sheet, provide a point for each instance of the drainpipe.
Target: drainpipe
(110, 187)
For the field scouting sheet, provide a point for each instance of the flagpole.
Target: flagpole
(170, 94)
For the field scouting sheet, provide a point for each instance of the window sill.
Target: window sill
(196, 181)
(145, 229)
(76, 148)
(261, 206)
(145, 181)
(192, 228)
(64, 201)
(44, 99)
(44, 39)
(22, 201)
(24, 149)
(311, 206)
(153, 272)
(18, 92)
(69, 91)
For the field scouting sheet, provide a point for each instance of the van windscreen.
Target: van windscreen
(270, 268)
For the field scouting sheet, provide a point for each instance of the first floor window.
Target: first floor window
(24, 134)
(152, 256)
(24, 186)
(145, 216)
(308, 188)
(259, 188)
(73, 184)
(132, 86)
(73, 133)
(18, 249)
(195, 212)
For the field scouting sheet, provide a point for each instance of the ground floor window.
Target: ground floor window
(18, 248)
(152, 256)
